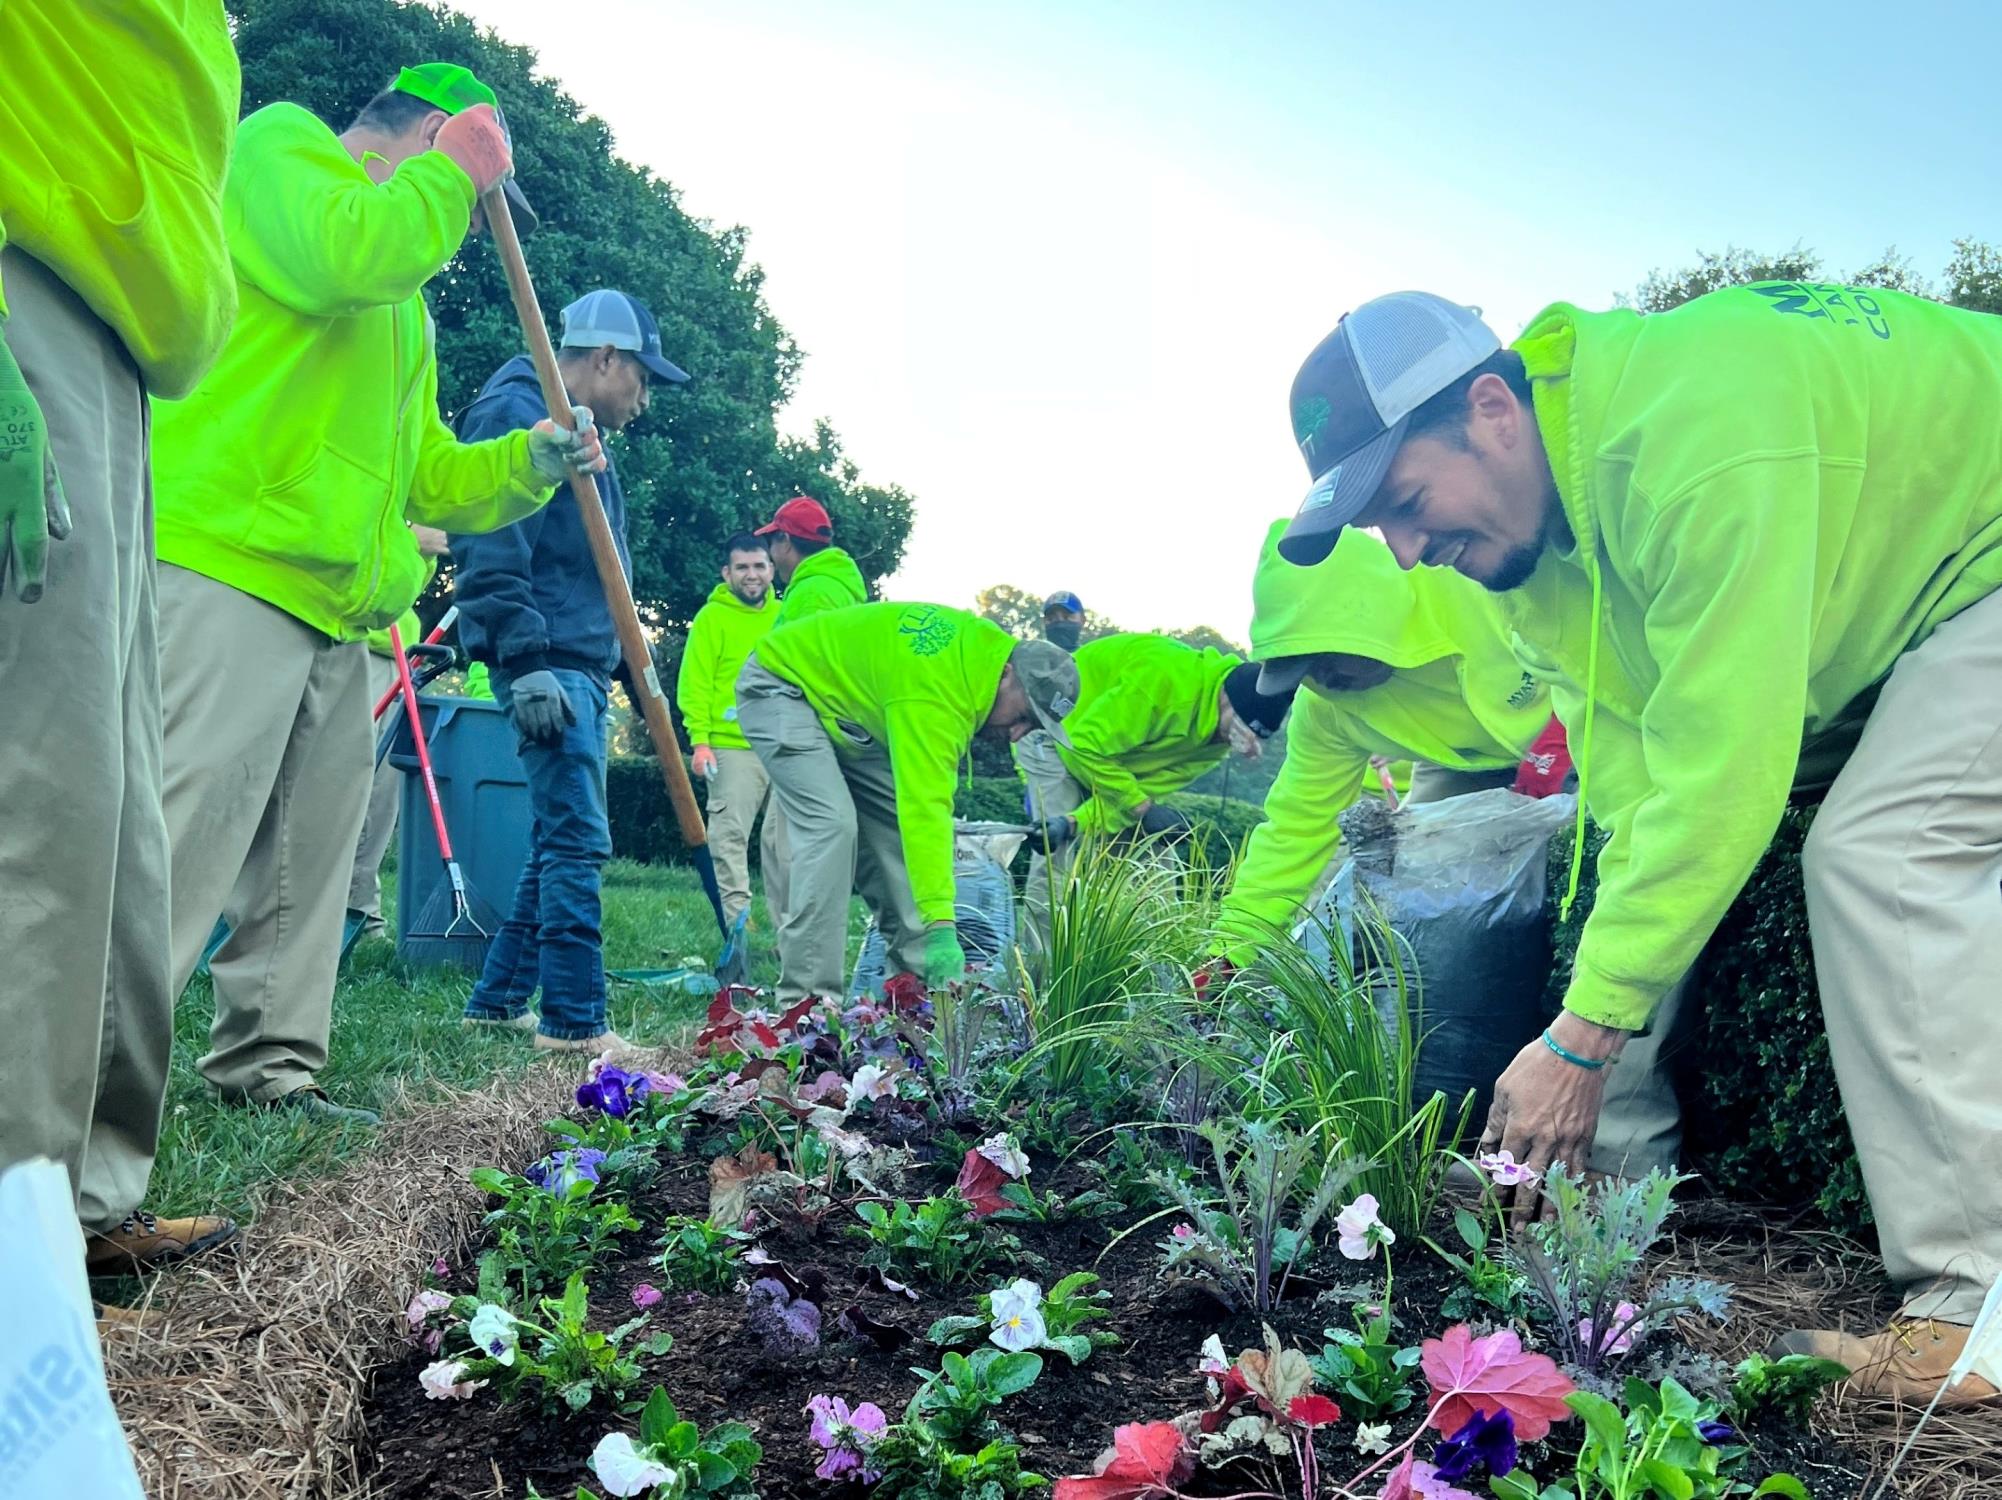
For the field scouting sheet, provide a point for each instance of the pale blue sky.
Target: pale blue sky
(1054, 265)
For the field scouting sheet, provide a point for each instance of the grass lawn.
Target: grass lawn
(397, 1029)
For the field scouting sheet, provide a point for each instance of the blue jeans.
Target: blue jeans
(551, 937)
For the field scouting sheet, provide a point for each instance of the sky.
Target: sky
(1053, 265)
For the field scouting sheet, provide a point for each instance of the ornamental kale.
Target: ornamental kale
(787, 1326)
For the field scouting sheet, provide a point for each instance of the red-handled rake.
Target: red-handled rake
(453, 914)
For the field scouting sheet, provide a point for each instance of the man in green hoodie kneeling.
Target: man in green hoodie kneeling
(1755, 533)
(861, 717)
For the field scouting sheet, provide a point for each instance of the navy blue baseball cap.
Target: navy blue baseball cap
(1063, 599)
(608, 317)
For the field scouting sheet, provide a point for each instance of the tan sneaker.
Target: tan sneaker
(523, 1022)
(1905, 1362)
(143, 1241)
(604, 1041)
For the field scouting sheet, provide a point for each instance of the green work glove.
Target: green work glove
(945, 960)
(31, 496)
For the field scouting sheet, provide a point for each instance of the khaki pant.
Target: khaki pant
(267, 781)
(87, 1006)
(735, 794)
(1903, 871)
(1640, 1123)
(1053, 792)
(841, 825)
(385, 796)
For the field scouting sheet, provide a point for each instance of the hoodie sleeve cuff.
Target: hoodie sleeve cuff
(520, 663)
(1606, 1001)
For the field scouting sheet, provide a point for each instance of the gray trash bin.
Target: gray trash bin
(484, 792)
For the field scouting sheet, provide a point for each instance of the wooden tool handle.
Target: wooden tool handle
(643, 682)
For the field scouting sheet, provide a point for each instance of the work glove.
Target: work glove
(945, 960)
(473, 138)
(1213, 974)
(703, 760)
(1547, 765)
(1059, 831)
(541, 708)
(557, 452)
(1163, 819)
(32, 510)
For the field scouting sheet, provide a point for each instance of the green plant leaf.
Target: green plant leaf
(657, 1418)
(1668, 1481)
(682, 1440)
(490, 1180)
(657, 1343)
(713, 1471)
(1602, 1421)
(1782, 1484)
(1014, 1372)
(1075, 1346)
(569, 1130)
(577, 1394)
(1472, 1229)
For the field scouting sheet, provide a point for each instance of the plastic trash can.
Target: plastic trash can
(484, 792)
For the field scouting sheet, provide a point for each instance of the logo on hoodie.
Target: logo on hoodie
(926, 629)
(1523, 695)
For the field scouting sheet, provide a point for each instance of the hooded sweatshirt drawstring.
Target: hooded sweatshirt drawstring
(1581, 754)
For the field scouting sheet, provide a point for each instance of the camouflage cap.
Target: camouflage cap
(1048, 674)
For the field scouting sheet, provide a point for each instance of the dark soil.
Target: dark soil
(479, 1450)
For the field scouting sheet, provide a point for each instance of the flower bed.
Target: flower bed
(869, 1251)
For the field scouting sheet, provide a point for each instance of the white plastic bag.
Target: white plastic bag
(983, 905)
(58, 1432)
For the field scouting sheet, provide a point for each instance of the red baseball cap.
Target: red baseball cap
(803, 517)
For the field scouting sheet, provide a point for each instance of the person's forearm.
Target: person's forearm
(1588, 1038)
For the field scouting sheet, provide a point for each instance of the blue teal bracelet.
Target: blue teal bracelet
(1589, 1064)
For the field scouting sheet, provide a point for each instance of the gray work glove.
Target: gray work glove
(1163, 819)
(541, 709)
(557, 451)
(32, 512)
(1059, 831)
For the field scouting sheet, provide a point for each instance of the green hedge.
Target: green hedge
(1764, 1118)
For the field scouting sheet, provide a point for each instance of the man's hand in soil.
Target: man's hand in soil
(1547, 1109)
(32, 511)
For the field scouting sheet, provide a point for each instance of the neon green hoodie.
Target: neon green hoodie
(1775, 491)
(917, 679)
(292, 469)
(1144, 724)
(1458, 698)
(720, 640)
(115, 128)
(827, 580)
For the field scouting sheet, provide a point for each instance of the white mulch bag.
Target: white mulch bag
(1461, 883)
(983, 904)
(58, 1432)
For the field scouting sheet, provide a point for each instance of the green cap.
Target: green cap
(1048, 675)
(453, 88)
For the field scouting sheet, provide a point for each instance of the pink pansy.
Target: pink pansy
(1359, 1231)
(646, 1295)
(1003, 1151)
(423, 1305)
(1183, 1231)
(1415, 1479)
(445, 1381)
(1505, 1171)
(1622, 1336)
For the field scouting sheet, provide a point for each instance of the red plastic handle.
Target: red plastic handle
(409, 691)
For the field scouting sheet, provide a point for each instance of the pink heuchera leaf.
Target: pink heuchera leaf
(1145, 1459)
(1473, 1377)
(980, 1184)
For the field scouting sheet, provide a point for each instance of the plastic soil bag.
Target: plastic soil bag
(983, 904)
(58, 1432)
(1461, 885)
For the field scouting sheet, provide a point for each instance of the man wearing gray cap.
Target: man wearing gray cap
(531, 608)
(1745, 542)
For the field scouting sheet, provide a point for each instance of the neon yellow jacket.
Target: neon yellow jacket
(1144, 724)
(1458, 699)
(1775, 491)
(291, 471)
(115, 127)
(827, 580)
(721, 638)
(917, 680)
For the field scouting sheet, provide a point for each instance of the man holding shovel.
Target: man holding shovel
(861, 717)
(286, 482)
(1758, 532)
(114, 285)
(532, 609)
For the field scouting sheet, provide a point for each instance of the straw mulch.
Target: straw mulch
(1792, 1278)
(254, 1387)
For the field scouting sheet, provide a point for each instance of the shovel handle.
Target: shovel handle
(642, 680)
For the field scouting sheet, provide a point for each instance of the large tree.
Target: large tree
(1973, 277)
(707, 459)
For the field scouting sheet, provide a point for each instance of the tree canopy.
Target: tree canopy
(708, 458)
(1020, 613)
(1973, 277)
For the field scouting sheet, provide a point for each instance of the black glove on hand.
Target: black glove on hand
(1059, 831)
(541, 710)
(1161, 818)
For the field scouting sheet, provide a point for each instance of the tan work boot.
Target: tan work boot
(604, 1041)
(143, 1241)
(523, 1022)
(114, 1321)
(1906, 1361)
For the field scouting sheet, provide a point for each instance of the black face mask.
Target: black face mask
(1063, 633)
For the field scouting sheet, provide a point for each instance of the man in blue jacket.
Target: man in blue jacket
(531, 608)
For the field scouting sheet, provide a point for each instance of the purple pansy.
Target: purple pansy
(1486, 1440)
(614, 1091)
(847, 1437)
(563, 1170)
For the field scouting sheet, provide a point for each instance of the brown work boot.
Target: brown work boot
(114, 1321)
(1905, 1362)
(143, 1241)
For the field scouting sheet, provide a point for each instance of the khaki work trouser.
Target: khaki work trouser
(385, 796)
(1903, 870)
(735, 794)
(267, 780)
(1053, 793)
(87, 1006)
(841, 825)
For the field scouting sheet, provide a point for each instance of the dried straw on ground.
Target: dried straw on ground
(255, 1387)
